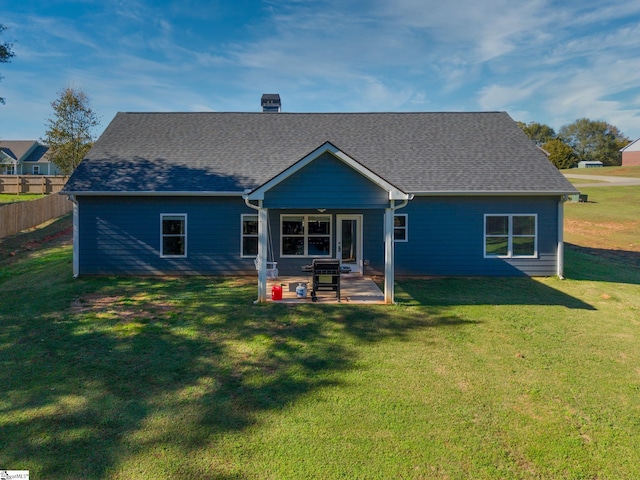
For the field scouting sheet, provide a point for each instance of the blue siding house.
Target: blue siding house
(386, 193)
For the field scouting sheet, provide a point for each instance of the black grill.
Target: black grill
(326, 277)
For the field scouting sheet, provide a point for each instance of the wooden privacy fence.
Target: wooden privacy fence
(42, 184)
(16, 217)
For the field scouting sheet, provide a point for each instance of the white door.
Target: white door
(349, 241)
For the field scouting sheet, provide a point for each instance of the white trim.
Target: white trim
(263, 250)
(636, 148)
(389, 260)
(405, 228)
(510, 235)
(162, 215)
(484, 193)
(76, 237)
(242, 234)
(560, 252)
(394, 192)
(33, 169)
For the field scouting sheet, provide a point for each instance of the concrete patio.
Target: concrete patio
(354, 289)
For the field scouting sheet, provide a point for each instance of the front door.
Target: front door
(349, 241)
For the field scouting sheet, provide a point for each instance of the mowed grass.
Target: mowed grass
(146, 378)
(609, 171)
(13, 198)
(610, 220)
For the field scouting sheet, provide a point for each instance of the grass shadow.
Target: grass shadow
(100, 369)
(449, 291)
(598, 264)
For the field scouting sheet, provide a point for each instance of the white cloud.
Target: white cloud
(553, 60)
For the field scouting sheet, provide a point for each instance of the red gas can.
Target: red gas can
(276, 292)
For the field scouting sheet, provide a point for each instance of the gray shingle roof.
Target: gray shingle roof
(17, 149)
(231, 152)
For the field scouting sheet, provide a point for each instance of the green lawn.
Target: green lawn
(613, 171)
(150, 378)
(609, 220)
(13, 198)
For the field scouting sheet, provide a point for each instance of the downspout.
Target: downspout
(560, 253)
(389, 247)
(76, 236)
(262, 248)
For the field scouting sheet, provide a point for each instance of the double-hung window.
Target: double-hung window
(510, 236)
(249, 236)
(400, 227)
(305, 235)
(173, 235)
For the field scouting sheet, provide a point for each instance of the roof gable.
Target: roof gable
(393, 192)
(23, 150)
(632, 147)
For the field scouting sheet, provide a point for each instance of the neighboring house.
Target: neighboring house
(387, 193)
(25, 157)
(631, 154)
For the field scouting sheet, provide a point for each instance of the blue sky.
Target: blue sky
(540, 60)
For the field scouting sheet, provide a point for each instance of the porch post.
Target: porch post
(389, 271)
(560, 253)
(263, 239)
(76, 236)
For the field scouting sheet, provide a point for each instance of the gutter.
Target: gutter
(76, 237)
(484, 193)
(404, 203)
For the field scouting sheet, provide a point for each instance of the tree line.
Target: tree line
(69, 133)
(582, 140)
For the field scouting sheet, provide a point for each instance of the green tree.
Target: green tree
(594, 141)
(539, 133)
(69, 132)
(560, 154)
(6, 54)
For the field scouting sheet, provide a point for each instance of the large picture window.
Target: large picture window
(173, 235)
(508, 236)
(305, 235)
(249, 246)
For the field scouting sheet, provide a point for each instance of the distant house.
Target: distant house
(631, 154)
(590, 164)
(385, 193)
(25, 157)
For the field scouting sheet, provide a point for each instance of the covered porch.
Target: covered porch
(354, 289)
(334, 193)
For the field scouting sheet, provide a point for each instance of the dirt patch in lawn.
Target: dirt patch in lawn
(613, 240)
(125, 309)
(595, 229)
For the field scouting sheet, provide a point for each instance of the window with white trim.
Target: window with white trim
(400, 227)
(510, 236)
(249, 236)
(173, 235)
(305, 235)
(36, 169)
